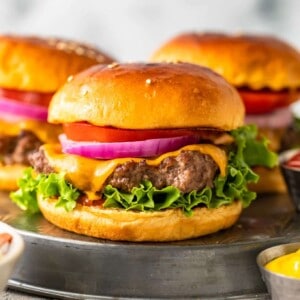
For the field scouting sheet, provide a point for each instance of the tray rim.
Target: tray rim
(163, 245)
(40, 291)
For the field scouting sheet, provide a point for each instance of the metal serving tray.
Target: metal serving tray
(61, 264)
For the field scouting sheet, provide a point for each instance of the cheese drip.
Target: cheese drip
(46, 132)
(89, 175)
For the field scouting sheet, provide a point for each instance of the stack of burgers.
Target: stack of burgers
(149, 152)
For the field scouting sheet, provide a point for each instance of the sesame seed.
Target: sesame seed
(84, 90)
(70, 78)
(79, 50)
(61, 45)
(148, 81)
(112, 65)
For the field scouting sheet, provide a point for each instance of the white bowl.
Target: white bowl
(9, 259)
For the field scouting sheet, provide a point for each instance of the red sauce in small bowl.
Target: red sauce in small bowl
(294, 161)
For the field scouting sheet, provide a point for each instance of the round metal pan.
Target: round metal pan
(66, 265)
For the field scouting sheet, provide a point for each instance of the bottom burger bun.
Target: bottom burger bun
(122, 225)
(9, 176)
(271, 181)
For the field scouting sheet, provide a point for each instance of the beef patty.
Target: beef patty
(16, 149)
(188, 171)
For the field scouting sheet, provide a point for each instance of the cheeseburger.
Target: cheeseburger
(31, 70)
(150, 152)
(264, 69)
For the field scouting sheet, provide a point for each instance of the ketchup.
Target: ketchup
(84, 200)
(5, 238)
(294, 161)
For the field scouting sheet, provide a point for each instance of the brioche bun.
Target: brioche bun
(148, 96)
(43, 65)
(253, 61)
(38, 65)
(122, 225)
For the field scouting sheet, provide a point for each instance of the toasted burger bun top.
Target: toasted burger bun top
(244, 60)
(43, 65)
(148, 96)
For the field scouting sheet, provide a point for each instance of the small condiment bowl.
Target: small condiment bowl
(10, 255)
(280, 287)
(291, 176)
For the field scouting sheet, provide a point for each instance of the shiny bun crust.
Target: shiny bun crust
(121, 225)
(244, 60)
(148, 96)
(43, 65)
(9, 176)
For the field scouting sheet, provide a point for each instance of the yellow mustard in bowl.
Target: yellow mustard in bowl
(288, 265)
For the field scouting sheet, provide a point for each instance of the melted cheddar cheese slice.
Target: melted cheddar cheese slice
(89, 175)
(44, 131)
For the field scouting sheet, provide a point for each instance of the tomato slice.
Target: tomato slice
(85, 132)
(294, 161)
(264, 101)
(42, 99)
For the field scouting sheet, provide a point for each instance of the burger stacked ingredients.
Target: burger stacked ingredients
(150, 152)
(31, 71)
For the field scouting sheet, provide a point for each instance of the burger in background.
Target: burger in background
(150, 152)
(265, 71)
(31, 70)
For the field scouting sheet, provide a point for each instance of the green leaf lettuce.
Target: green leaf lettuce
(52, 185)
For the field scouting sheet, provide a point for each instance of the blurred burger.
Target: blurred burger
(264, 69)
(150, 152)
(31, 70)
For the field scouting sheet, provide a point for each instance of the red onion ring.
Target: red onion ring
(11, 118)
(10, 107)
(146, 148)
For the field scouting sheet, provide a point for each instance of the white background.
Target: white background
(132, 29)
